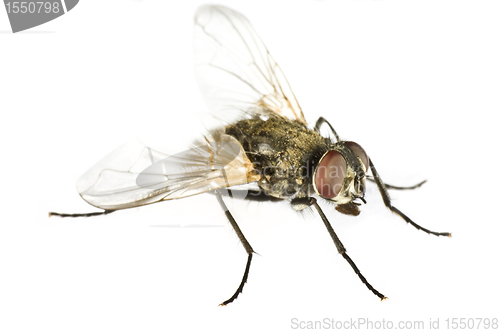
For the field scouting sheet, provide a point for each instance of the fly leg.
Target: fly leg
(320, 122)
(301, 203)
(393, 187)
(105, 212)
(387, 201)
(245, 243)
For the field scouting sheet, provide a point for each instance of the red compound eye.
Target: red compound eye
(360, 152)
(330, 174)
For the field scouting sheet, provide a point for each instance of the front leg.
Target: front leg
(387, 201)
(320, 122)
(302, 203)
(394, 187)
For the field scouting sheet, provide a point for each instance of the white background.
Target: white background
(416, 83)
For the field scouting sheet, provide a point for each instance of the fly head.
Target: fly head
(340, 176)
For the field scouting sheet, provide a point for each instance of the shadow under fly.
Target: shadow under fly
(263, 140)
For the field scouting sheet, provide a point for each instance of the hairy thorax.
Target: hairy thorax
(283, 153)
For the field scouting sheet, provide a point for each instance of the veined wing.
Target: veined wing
(135, 174)
(235, 70)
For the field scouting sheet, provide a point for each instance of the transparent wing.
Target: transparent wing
(235, 70)
(136, 174)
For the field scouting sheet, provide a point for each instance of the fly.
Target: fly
(264, 141)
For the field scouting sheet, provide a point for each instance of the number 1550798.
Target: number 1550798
(32, 7)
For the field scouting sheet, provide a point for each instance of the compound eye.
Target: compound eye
(330, 174)
(360, 152)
